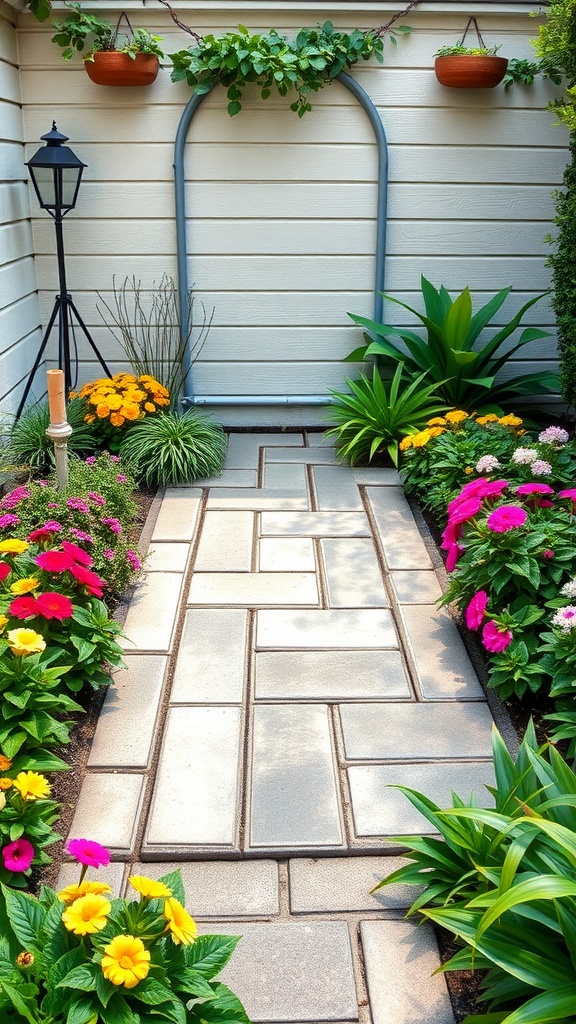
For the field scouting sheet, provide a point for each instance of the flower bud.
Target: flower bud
(25, 959)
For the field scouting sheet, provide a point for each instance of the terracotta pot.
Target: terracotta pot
(112, 68)
(467, 71)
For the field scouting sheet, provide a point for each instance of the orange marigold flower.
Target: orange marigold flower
(456, 416)
(116, 419)
(130, 411)
(490, 417)
(102, 411)
(6, 784)
(5, 763)
(149, 407)
(406, 442)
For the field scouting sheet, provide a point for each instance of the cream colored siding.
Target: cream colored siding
(19, 310)
(281, 211)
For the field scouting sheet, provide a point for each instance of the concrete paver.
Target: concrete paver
(336, 489)
(326, 885)
(149, 624)
(202, 675)
(219, 889)
(410, 732)
(285, 476)
(226, 542)
(353, 576)
(413, 587)
(365, 627)
(165, 556)
(399, 535)
(249, 590)
(443, 668)
(178, 514)
(285, 554)
(330, 675)
(125, 732)
(314, 524)
(109, 808)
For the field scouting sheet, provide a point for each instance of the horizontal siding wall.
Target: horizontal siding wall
(281, 211)
(19, 308)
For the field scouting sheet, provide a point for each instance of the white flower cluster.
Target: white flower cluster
(569, 589)
(541, 468)
(487, 463)
(565, 618)
(554, 435)
(524, 456)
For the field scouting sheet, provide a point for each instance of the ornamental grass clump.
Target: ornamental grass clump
(82, 956)
(175, 448)
(27, 446)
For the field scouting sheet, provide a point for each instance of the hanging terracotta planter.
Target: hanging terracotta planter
(110, 67)
(470, 71)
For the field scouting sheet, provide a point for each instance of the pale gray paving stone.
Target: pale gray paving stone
(314, 524)
(284, 476)
(230, 498)
(217, 889)
(331, 885)
(416, 587)
(195, 799)
(167, 557)
(125, 731)
(294, 800)
(399, 732)
(330, 675)
(111, 874)
(243, 449)
(353, 575)
(318, 439)
(326, 628)
(377, 476)
(305, 456)
(253, 589)
(178, 514)
(108, 810)
(399, 535)
(336, 489)
(149, 624)
(225, 542)
(381, 810)
(203, 675)
(286, 554)
(443, 668)
(400, 959)
(231, 478)
(293, 971)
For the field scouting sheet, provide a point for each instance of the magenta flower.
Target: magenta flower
(108, 554)
(548, 553)
(8, 520)
(96, 498)
(89, 853)
(452, 557)
(112, 524)
(114, 458)
(91, 460)
(78, 554)
(23, 607)
(507, 517)
(18, 855)
(534, 488)
(54, 561)
(451, 534)
(476, 611)
(121, 478)
(133, 561)
(494, 639)
(465, 510)
(81, 535)
(570, 493)
(77, 504)
(52, 524)
(40, 536)
(480, 488)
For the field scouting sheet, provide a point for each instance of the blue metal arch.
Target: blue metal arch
(181, 241)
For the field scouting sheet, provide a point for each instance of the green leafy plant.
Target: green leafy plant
(175, 448)
(377, 414)
(79, 956)
(26, 818)
(26, 445)
(467, 51)
(451, 357)
(80, 29)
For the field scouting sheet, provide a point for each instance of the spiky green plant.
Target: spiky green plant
(174, 448)
(28, 446)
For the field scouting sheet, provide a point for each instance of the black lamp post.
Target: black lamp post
(56, 173)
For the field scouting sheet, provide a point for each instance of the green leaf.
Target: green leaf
(210, 953)
(82, 977)
(26, 916)
(18, 1003)
(83, 1011)
(152, 992)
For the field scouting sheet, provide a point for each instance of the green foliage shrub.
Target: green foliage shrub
(175, 448)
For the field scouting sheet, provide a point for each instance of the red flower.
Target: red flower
(41, 536)
(5, 570)
(23, 607)
(54, 561)
(54, 606)
(78, 554)
(88, 579)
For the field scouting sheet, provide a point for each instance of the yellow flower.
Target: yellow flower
(149, 888)
(125, 961)
(24, 586)
(490, 417)
(87, 915)
(32, 786)
(406, 442)
(114, 402)
(436, 431)
(468, 470)
(149, 407)
(437, 421)
(25, 641)
(12, 546)
(161, 401)
(511, 421)
(180, 925)
(5, 763)
(89, 418)
(456, 416)
(116, 419)
(3, 620)
(85, 888)
(421, 439)
(102, 411)
(130, 411)
(5, 784)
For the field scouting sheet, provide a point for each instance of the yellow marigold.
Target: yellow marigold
(3, 620)
(116, 419)
(125, 961)
(490, 417)
(25, 641)
(421, 439)
(130, 411)
(149, 888)
(149, 407)
(5, 784)
(180, 925)
(89, 418)
(437, 421)
(5, 763)
(87, 915)
(436, 431)
(135, 395)
(468, 470)
(161, 401)
(32, 786)
(24, 586)
(85, 888)
(114, 402)
(102, 411)
(456, 416)
(406, 442)
(12, 546)
(511, 421)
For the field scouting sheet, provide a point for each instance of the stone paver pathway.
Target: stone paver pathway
(287, 666)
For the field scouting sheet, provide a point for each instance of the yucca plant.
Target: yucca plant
(174, 448)
(27, 444)
(377, 414)
(451, 356)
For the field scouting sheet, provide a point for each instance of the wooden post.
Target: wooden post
(59, 430)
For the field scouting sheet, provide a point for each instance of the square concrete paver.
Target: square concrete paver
(165, 556)
(399, 535)
(399, 732)
(286, 554)
(253, 589)
(149, 624)
(125, 730)
(365, 627)
(178, 514)
(352, 572)
(285, 476)
(331, 885)
(294, 787)
(195, 799)
(225, 542)
(443, 668)
(330, 675)
(292, 972)
(325, 456)
(381, 810)
(108, 811)
(203, 675)
(219, 888)
(336, 489)
(400, 959)
(414, 587)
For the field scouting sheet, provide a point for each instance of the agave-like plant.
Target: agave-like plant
(451, 356)
(377, 414)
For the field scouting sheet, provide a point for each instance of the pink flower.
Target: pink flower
(87, 852)
(480, 488)
(77, 504)
(51, 524)
(96, 498)
(476, 611)
(121, 478)
(54, 561)
(451, 534)
(494, 639)
(23, 607)
(534, 489)
(91, 460)
(88, 579)
(78, 554)
(541, 468)
(54, 606)
(108, 554)
(554, 435)
(114, 458)
(5, 570)
(8, 520)
(570, 493)
(548, 553)
(507, 517)
(18, 856)
(452, 557)
(112, 524)
(133, 561)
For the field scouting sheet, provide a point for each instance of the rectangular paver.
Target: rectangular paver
(336, 489)
(286, 554)
(166, 556)
(353, 575)
(243, 449)
(202, 674)
(412, 586)
(443, 668)
(381, 810)
(400, 732)
(125, 730)
(225, 542)
(331, 628)
(108, 810)
(399, 535)
(254, 589)
(217, 889)
(294, 789)
(400, 959)
(377, 476)
(330, 675)
(329, 885)
(178, 514)
(231, 478)
(153, 610)
(285, 476)
(321, 456)
(195, 799)
(314, 524)
(255, 499)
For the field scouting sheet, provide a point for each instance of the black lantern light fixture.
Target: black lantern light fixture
(56, 173)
